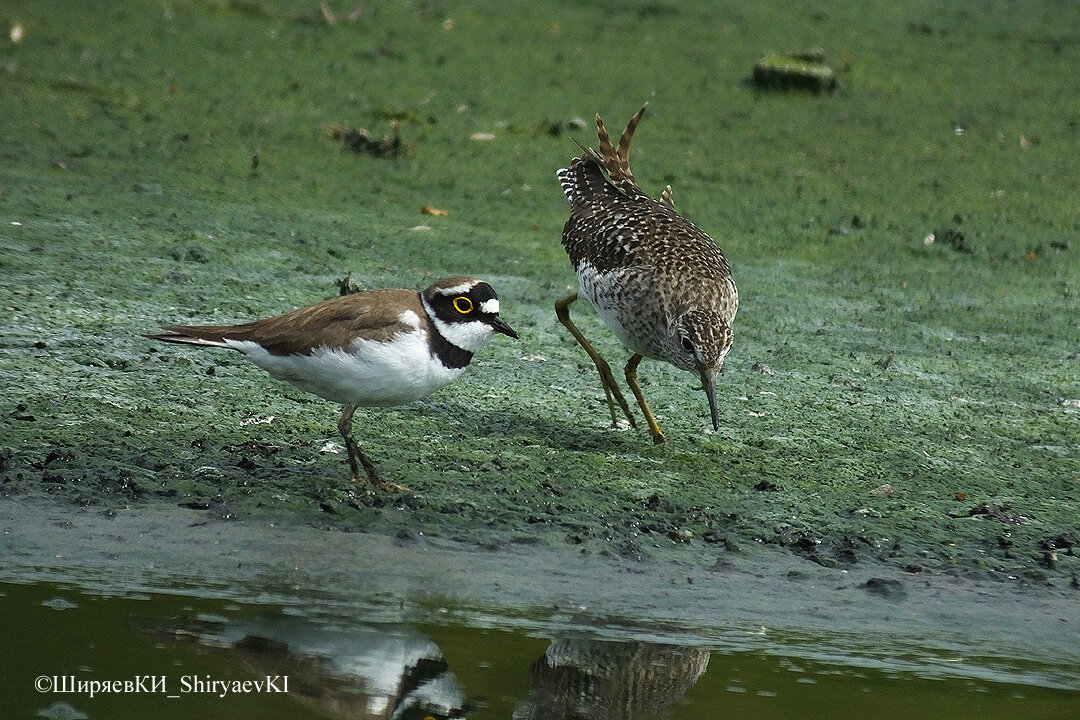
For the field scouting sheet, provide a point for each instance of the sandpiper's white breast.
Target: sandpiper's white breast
(622, 307)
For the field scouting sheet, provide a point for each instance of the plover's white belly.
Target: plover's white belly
(369, 373)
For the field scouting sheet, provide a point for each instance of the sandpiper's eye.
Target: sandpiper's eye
(463, 305)
(687, 345)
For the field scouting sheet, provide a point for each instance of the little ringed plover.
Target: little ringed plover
(374, 348)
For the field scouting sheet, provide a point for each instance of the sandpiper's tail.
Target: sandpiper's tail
(585, 179)
(617, 159)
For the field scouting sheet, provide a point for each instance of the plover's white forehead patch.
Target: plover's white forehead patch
(409, 318)
(490, 307)
(461, 289)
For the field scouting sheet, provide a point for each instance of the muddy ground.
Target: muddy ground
(903, 397)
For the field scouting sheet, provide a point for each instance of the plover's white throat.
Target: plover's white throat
(374, 348)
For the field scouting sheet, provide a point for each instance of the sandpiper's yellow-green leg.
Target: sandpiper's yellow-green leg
(631, 380)
(607, 379)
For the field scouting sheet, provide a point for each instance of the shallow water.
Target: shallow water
(193, 653)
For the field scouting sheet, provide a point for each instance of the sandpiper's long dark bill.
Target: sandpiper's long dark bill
(374, 348)
(658, 281)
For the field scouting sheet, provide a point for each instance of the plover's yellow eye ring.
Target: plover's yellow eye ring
(463, 305)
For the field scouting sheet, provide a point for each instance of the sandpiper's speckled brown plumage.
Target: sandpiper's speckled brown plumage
(657, 280)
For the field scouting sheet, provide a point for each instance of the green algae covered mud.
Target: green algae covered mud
(904, 388)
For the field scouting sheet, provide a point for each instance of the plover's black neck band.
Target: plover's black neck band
(449, 354)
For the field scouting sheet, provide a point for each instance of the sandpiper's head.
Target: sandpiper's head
(465, 311)
(701, 340)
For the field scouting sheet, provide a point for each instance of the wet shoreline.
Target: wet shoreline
(753, 599)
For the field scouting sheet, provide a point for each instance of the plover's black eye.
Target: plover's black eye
(687, 345)
(463, 305)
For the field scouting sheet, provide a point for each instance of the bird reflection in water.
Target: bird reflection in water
(585, 679)
(372, 672)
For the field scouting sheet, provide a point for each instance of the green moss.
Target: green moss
(863, 355)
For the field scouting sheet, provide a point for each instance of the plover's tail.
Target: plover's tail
(205, 335)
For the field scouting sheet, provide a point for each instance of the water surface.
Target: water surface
(189, 656)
